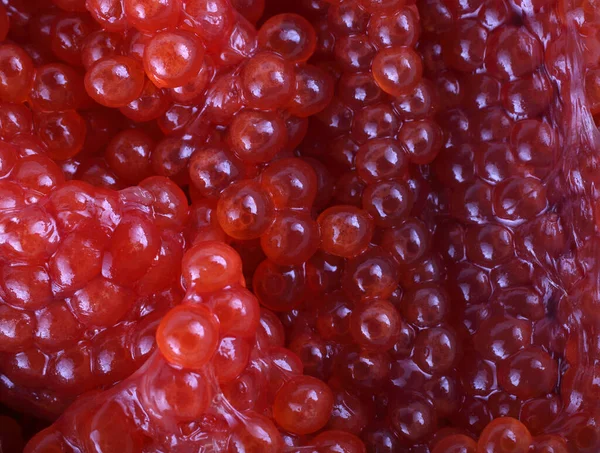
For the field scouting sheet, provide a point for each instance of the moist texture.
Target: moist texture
(333, 226)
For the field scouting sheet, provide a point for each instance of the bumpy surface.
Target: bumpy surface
(333, 226)
(86, 275)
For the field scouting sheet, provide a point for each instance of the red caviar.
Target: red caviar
(340, 226)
